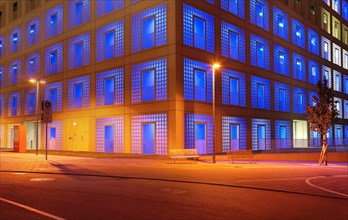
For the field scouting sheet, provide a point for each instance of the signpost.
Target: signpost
(46, 116)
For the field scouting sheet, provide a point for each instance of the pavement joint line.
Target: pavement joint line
(324, 189)
(31, 209)
(179, 181)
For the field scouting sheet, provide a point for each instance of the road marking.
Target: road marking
(41, 179)
(277, 179)
(173, 191)
(31, 209)
(327, 190)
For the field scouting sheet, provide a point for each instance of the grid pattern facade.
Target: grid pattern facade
(255, 81)
(73, 17)
(59, 87)
(282, 141)
(299, 100)
(118, 75)
(72, 56)
(255, 122)
(281, 60)
(254, 13)
(278, 101)
(189, 67)
(226, 136)
(298, 67)
(190, 120)
(298, 33)
(226, 28)
(225, 4)
(33, 34)
(189, 13)
(160, 67)
(161, 132)
(118, 29)
(15, 40)
(58, 11)
(280, 27)
(85, 81)
(58, 48)
(226, 94)
(254, 56)
(118, 123)
(160, 13)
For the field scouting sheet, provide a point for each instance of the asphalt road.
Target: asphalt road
(159, 190)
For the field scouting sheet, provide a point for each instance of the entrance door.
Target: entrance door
(52, 143)
(109, 138)
(234, 137)
(261, 137)
(200, 138)
(148, 138)
(282, 136)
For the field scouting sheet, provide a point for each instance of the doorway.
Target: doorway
(201, 138)
(261, 137)
(234, 137)
(109, 138)
(148, 138)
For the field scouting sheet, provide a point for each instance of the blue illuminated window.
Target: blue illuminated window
(53, 62)
(336, 6)
(281, 97)
(259, 14)
(234, 91)
(313, 41)
(14, 75)
(260, 93)
(1, 45)
(31, 103)
(78, 54)
(200, 85)
(32, 64)
(280, 23)
(232, 41)
(53, 25)
(313, 72)
(281, 62)
(1, 79)
(148, 32)
(345, 12)
(298, 33)
(345, 84)
(260, 55)
(261, 134)
(198, 29)
(337, 81)
(282, 134)
(149, 28)
(15, 41)
(53, 99)
(198, 32)
(298, 67)
(13, 106)
(107, 6)
(326, 50)
(32, 34)
(109, 42)
(233, 87)
(260, 96)
(148, 85)
(109, 91)
(326, 74)
(78, 95)
(311, 96)
(346, 109)
(299, 100)
(78, 13)
(235, 7)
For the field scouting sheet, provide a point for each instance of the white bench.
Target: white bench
(183, 153)
(240, 154)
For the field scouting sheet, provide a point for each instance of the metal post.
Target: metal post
(214, 115)
(37, 116)
(46, 140)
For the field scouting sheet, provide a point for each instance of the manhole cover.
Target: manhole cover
(41, 179)
(173, 191)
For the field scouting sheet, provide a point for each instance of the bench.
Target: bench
(240, 154)
(183, 153)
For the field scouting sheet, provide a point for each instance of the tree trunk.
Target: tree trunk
(323, 154)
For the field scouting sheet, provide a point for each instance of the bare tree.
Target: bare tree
(322, 115)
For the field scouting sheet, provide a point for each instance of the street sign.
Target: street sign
(46, 106)
(46, 117)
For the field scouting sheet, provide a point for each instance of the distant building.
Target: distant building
(132, 76)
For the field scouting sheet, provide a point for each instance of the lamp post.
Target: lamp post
(37, 82)
(215, 66)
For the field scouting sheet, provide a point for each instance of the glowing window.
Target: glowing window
(260, 95)
(148, 32)
(259, 14)
(109, 45)
(234, 91)
(53, 62)
(148, 85)
(260, 54)
(281, 62)
(78, 54)
(15, 41)
(78, 95)
(232, 6)
(32, 34)
(32, 103)
(14, 75)
(53, 25)
(199, 32)
(32, 63)
(200, 85)
(53, 99)
(109, 91)
(13, 106)
(233, 40)
(78, 13)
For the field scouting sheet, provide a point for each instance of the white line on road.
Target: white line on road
(327, 190)
(31, 209)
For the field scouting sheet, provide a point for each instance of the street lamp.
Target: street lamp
(38, 82)
(215, 66)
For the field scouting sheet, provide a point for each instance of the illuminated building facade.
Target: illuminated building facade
(135, 76)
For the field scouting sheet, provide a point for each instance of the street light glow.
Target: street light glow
(35, 81)
(216, 65)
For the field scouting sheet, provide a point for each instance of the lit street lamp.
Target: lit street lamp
(38, 82)
(215, 66)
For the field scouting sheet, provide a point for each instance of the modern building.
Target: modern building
(137, 76)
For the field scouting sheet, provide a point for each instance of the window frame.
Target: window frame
(238, 90)
(74, 98)
(261, 85)
(205, 84)
(114, 92)
(154, 84)
(154, 31)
